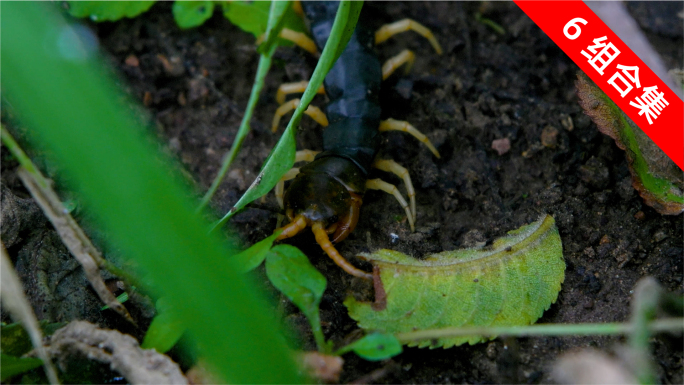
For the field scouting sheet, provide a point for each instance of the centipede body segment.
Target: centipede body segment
(327, 193)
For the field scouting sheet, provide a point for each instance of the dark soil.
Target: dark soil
(486, 86)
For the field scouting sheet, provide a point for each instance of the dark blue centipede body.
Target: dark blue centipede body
(327, 193)
(326, 188)
(353, 86)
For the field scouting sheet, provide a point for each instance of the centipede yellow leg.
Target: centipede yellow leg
(314, 112)
(300, 39)
(398, 125)
(391, 65)
(379, 184)
(394, 167)
(291, 88)
(323, 240)
(389, 30)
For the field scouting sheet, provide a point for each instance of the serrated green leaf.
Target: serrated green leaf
(658, 179)
(108, 10)
(252, 257)
(190, 14)
(290, 271)
(12, 366)
(165, 330)
(511, 282)
(374, 347)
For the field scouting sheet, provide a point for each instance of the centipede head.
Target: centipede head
(319, 198)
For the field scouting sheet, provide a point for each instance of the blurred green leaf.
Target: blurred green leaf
(190, 14)
(252, 257)
(108, 10)
(374, 347)
(166, 328)
(146, 212)
(290, 271)
(11, 366)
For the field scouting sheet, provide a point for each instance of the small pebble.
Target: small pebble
(501, 146)
(549, 136)
(640, 215)
(132, 61)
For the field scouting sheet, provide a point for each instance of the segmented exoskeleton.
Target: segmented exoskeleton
(327, 193)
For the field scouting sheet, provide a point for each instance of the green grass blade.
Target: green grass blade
(282, 157)
(60, 91)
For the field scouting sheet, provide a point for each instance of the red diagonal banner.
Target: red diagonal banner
(627, 81)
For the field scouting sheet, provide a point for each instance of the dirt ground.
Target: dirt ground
(486, 86)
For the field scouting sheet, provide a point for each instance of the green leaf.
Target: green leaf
(12, 366)
(282, 157)
(15, 341)
(290, 271)
(190, 14)
(511, 282)
(135, 194)
(108, 10)
(374, 347)
(658, 179)
(276, 19)
(252, 257)
(165, 330)
(251, 17)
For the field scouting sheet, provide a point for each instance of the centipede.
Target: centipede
(326, 194)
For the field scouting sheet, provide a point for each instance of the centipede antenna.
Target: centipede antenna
(323, 240)
(400, 125)
(389, 30)
(280, 186)
(379, 184)
(391, 65)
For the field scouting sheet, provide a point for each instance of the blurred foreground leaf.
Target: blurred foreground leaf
(11, 366)
(147, 213)
(510, 282)
(659, 181)
(108, 10)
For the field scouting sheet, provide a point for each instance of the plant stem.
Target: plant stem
(262, 71)
(613, 328)
(23, 159)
